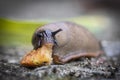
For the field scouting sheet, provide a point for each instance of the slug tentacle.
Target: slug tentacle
(55, 32)
(47, 36)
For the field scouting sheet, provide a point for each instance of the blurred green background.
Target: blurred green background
(19, 32)
(20, 18)
(15, 32)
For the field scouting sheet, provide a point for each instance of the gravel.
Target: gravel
(101, 68)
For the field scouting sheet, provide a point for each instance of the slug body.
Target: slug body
(71, 42)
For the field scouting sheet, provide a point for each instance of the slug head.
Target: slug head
(46, 37)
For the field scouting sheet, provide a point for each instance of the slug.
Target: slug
(68, 41)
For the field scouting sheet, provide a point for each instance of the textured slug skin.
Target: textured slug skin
(74, 41)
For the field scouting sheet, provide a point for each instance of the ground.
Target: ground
(84, 68)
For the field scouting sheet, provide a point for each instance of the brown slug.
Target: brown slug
(68, 40)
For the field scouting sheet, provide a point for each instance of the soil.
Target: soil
(102, 68)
